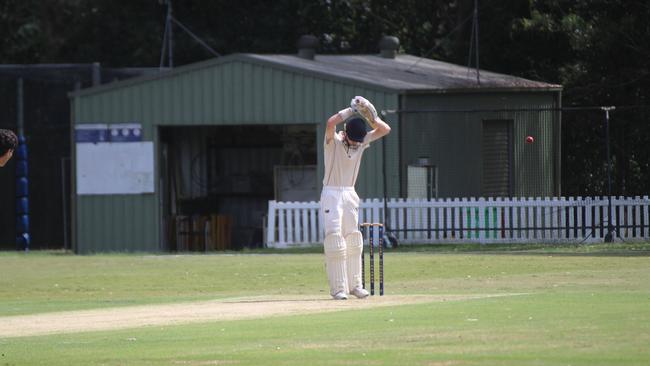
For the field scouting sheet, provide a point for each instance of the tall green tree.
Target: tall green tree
(600, 54)
(598, 50)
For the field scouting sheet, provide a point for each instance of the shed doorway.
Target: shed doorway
(497, 179)
(216, 181)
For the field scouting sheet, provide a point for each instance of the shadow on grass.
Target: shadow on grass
(616, 249)
(599, 249)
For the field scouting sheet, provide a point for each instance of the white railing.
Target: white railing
(519, 220)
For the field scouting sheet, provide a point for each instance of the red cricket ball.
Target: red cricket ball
(530, 139)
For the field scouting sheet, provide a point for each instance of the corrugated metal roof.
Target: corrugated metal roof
(404, 73)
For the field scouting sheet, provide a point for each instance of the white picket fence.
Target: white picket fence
(517, 220)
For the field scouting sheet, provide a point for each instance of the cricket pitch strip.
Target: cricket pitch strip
(201, 311)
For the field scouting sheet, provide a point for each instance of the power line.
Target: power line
(446, 36)
(473, 40)
(483, 110)
(196, 38)
(168, 37)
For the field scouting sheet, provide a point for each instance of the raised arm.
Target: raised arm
(334, 120)
(380, 128)
(363, 106)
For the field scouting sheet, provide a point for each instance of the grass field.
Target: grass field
(586, 305)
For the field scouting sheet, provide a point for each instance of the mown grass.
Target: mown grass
(575, 307)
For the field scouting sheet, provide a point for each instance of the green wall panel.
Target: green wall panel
(453, 139)
(242, 92)
(117, 224)
(229, 93)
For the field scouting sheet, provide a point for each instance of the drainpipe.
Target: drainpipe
(22, 182)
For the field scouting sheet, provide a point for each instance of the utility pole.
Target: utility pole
(22, 178)
(610, 230)
(168, 39)
(473, 45)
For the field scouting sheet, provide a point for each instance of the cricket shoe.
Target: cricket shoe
(340, 296)
(360, 293)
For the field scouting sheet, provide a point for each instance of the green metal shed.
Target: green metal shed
(220, 138)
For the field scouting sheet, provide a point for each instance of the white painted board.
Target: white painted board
(115, 168)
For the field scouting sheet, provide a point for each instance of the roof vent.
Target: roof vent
(388, 46)
(307, 46)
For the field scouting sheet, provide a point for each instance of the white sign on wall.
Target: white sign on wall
(115, 168)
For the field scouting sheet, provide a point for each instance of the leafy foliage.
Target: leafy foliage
(598, 50)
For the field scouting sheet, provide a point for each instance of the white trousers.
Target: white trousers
(343, 242)
(339, 210)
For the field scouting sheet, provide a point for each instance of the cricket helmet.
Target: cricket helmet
(355, 129)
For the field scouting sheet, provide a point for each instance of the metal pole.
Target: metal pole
(22, 179)
(65, 203)
(383, 168)
(96, 73)
(164, 45)
(20, 119)
(196, 38)
(170, 38)
(608, 236)
(478, 73)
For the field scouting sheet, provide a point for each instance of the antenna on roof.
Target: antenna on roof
(426, 54)
(168, 41)
(473, 44)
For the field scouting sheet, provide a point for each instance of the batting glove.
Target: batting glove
(363, 107)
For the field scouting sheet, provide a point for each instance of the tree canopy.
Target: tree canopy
(598, 50)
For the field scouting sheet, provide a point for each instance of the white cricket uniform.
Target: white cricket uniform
(339, 200)
(339, 203)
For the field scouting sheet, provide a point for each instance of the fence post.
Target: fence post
(598, 218)
(645, 208)
(579, 231)
(456, 224)
(495, 220)
(530, 218)
(476, 219)
(270, 225)
(566, 224)
(439, 217)
(486, 218)
(469, 218)
(313, 232)
(400, 219)
(281, 227)
(547, 217)
(489, 218)
(627, 228)
(617, 214)
(478, 216)
(449, 219)
(288, 222)
(425, 219)
(636, 216)
(391, 214)
(539, 216)
(304, 215)
(505, 222)
(595, 208)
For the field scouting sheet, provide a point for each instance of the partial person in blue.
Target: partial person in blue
(8, 143)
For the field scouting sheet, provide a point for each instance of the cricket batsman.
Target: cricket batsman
(339, 202)
(8, 143)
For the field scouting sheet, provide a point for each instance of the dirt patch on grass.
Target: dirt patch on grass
(198, 312)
